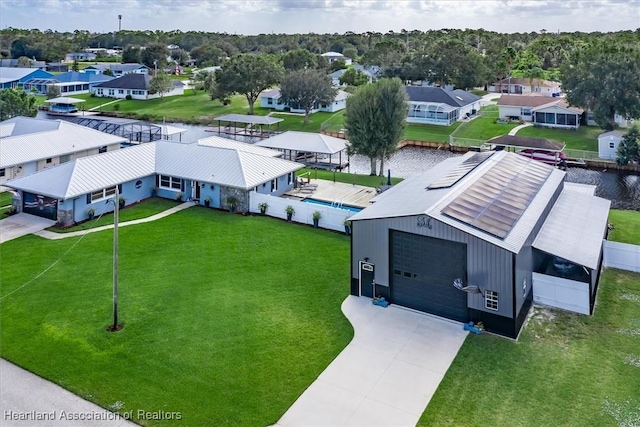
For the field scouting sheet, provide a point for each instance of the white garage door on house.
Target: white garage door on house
(561, 293)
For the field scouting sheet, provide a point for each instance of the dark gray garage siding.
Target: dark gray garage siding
(422, 273)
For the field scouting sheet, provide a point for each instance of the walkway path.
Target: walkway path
(97, 107)
(51, 235)
(25, 394)
(515, 130)
(387, 374)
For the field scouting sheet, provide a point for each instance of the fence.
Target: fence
(581, 154)
(332, 218)
(621, 255)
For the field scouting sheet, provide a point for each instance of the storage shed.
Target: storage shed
(461, 240)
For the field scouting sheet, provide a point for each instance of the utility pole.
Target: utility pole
(116, 212)
(119, 23)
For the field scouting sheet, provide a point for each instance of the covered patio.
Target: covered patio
(313, 149)
(245, 127)
(432, 113)
(63, 105)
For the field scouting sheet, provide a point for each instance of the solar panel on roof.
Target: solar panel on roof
(497, 200)
(457, 173)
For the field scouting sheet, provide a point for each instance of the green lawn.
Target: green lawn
(92, 101)
(483, 127)
(585, 138)
(568, 370)
(143, 209)
(5, 198)
(350, 178)
(221, 322)
(626, 226)
(431, 133)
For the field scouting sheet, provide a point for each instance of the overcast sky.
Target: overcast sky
(321, 16)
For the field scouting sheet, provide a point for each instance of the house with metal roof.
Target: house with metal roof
(372, 72)
(336, 56)
(137, 86)
(439, 106)
(480, 238)
(118, 70)
(74, 82)
(11, 77)
(207, 174)
(29, 145)
(271, 99)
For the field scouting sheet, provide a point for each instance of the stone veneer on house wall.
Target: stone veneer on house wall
(241, 195)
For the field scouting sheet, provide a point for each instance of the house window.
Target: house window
(102, 149)
(112, 92)
(612, 145)
(525, 112)
(170, 182)
(102, 194)
(274, 184)
(65, 158)
(2, 173)
(491, 300)
(99, 91)
(290, 179)
(120, 91)
(269, 101)
(48, 160)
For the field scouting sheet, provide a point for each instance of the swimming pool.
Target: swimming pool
(322, 203)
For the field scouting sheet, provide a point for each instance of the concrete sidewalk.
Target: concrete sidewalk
(51, 235)
(515, 130)
(25, 397)
(387, 374)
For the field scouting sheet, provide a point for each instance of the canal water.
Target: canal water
(622, 188)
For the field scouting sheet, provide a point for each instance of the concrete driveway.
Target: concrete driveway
(22, 224)
(386, 375)
(30, 401)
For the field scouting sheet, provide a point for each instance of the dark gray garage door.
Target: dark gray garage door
(422, 273)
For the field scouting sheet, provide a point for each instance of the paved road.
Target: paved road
(24, 397)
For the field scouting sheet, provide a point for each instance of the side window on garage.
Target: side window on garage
(491, 300)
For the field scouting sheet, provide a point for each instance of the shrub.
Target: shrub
(128, 98)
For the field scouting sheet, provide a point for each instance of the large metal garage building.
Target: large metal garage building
(478, 237)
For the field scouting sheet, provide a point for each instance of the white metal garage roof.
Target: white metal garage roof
(305, 141)
(575, 228)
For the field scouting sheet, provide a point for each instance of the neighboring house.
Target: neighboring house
(176, 69)
(479, 238)
(168, 169)
(118, 69)
(619, 120)
(14, 63)
(438, 106)
(271, 99)
(334, 56)
(71, 82)
(135, 85)
(541, 110)
(608, 144)
(525, 86)
(106, 52)
(371, 73)
(57, 67)
(28, 145)
(80, 56)
(16, 78)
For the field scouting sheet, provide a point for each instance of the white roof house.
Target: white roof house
(26, 140)
(334, 56)
(223, 166)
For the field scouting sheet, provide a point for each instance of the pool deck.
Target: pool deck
(329, 191)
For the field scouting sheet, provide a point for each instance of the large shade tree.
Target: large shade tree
(629, 147)
(603, 78)
(155, 55)
(16, 102)
(305, 89)
(299, 59)
(248, 75)
(375, 120)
